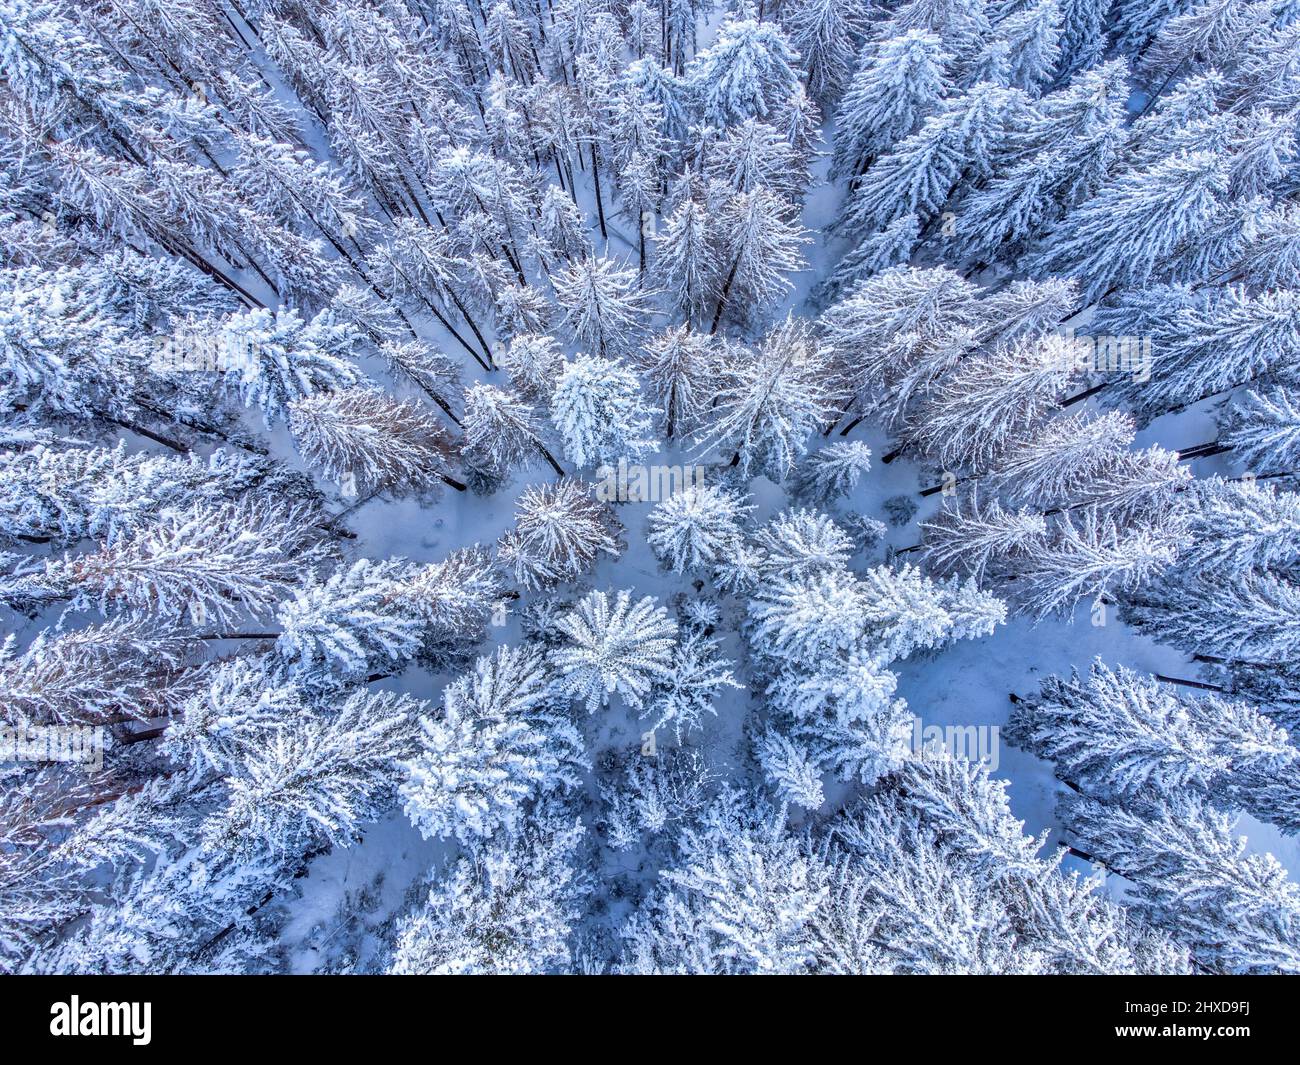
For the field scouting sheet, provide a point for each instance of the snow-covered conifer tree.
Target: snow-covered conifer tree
(898, 83)
(319, 780)
(598, 411)
(1264, 431)
(791, 771)
(614, 648)
(533, 361)
(738, 900)
(560, 532)
(648, 795)
(370, 442)
(699, 673)
(1236, 912)
(124, 668)
(920, 172)
(802, 541)
(686, 258)
(494, 748)
(501, 431)
(1122, 736)
(771, 402)
(760, 244)
(697, 527)
(975, 538)
(1088, 556)
(750, 68)
(826, 36)
(507, 907)
(353, 623)
(1127, 233)
(986, 402)
(604, 306)
(210, 564)
(832, 471)
(680, 371)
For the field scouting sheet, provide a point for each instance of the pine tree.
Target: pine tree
(599, 413)
(1088, 557)
(533, 361)
(562, 227)
(1024, 48)
(983, 537)
(1209, 36)
(603, 305)
(1237, 913)
(750, 67)
(1077, 930)
(419, 266)
(494, 749)
(826, 34)
(210, 564)
(455, 598)
(521, 310)
(1126, 233)
(760, 243)
(63, 495)
(698, 676)
(1249, 616)
(614, 648)
(658, 85)
(903, 903)
(954, 145)
(737, 900)
(892, 246)
(755, 154)
(771, 403)
(1083, 34)
(354, 623)
(898, 83)
(1225, 339)
(1121, 737)
(501, 432)
(799, 541)
(679, 370)
(895, 322)
(791, 771)
(638, 184)
(122, 669)
(1239, 527)
(58, 348)
(1049, 464)
(697, 527)
(560, 532)
(371, 443)
(650, 794)
(507, 907)
(960, 24)
(1264, 431)
(833, 471)
(317, 781)
(906, 612)
(277, 358)
(809, 617)
(686, 265)
(986, 402)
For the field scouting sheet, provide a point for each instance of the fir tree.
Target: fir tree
(614, 648)
(599, 413)
(696, 527)
(494, 749)
(371, 443)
